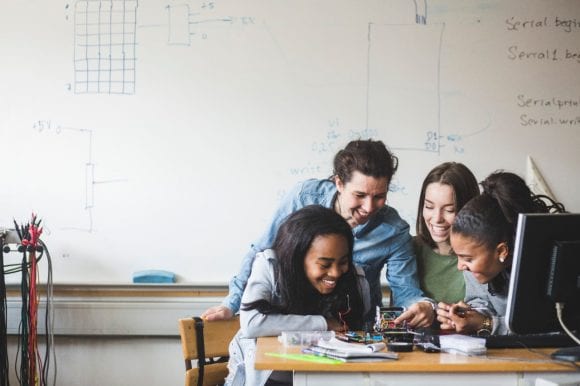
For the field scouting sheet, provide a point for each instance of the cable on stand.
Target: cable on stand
(31, 368)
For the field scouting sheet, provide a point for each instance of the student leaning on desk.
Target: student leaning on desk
(483, 236)
(306, 282)
(358, 192)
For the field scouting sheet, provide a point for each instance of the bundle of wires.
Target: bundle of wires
(33, 370)
(3, 323)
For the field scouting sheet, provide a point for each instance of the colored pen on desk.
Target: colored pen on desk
(462, 310)
(305, 357)
(321, 354)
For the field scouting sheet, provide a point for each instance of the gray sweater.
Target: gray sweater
(477, 295)
(253, 324)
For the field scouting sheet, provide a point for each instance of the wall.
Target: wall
(114, 335)
(161, 134)
(118, 361)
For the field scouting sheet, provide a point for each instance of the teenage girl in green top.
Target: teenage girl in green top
(444, 192)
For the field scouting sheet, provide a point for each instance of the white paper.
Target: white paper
(462, 344)
(335, 344)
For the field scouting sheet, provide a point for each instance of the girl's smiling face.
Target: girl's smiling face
(483, 263)
(439, 213)
(326, 261)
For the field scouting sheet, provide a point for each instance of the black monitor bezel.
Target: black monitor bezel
(529, 309)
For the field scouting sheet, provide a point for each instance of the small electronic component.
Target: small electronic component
(400, 346)
(391, 330)
(352, 336)
(385, 319)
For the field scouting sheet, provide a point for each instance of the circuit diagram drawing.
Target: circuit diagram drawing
(90, 181)
(399, 111)
(105, 46)
(183, 22)
(105, 39)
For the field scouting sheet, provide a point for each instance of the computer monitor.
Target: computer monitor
(545, 270)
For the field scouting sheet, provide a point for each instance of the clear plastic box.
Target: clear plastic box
(304, 338)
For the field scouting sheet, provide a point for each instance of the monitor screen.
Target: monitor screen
(545, 269)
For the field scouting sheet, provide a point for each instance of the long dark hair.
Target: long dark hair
(491, 218)
(464, 186)
(297, 294)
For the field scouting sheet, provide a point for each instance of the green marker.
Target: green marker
(305, 357)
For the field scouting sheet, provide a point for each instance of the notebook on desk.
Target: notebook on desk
(334, 348)
(352, 356)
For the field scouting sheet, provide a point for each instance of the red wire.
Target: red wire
(33, 307)
(34, 375)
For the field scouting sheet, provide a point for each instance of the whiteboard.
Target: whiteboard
(161, 134)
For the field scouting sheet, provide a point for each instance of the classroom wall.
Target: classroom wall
(112, 361)
(113, 335)
(162, 134)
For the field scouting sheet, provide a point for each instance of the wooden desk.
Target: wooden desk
(499, 367)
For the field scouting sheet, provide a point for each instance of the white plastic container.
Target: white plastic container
(304, 338)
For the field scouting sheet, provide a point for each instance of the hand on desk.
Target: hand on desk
(419, 314)
(217, 313)
(459, 317)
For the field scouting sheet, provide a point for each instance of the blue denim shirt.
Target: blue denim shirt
(384, 239)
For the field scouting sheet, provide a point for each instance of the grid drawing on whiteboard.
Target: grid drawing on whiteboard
(105, 45)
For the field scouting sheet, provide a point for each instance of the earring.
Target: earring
(502, 259)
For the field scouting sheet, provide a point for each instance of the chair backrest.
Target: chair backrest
(207, 343)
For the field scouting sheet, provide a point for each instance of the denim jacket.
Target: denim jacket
(383, 240)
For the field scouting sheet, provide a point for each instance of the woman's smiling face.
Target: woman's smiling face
(361, 197)
(439, 213)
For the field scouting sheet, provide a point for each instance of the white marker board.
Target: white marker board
(161, 134)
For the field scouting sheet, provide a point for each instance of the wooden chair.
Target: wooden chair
(206, 342)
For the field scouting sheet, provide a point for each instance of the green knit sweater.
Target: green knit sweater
(438, 274)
